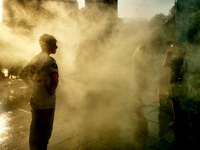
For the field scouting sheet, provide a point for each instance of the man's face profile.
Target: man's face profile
(52, 48)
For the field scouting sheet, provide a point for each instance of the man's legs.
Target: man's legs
(41, 128)
(141, 86)
(177, 111)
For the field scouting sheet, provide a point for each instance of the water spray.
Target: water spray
(0, 11)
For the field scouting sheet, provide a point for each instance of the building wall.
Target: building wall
(103, 3)
(182, 21)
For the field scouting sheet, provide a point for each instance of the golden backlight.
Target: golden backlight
(0, 11)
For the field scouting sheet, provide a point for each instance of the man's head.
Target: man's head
(48, 43)
(178, 49)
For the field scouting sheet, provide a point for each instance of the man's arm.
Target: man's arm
(167, 58)
(24, 75)
(53, 83)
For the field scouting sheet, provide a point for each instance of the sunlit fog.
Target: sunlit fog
(0, 11)
(94, 54)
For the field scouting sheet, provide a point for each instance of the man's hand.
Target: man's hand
(169, 52)
(53, 84)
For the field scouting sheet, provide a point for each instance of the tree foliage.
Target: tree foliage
(159, 19)
(163, 32)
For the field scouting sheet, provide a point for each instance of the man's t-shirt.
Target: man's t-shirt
(39, 70)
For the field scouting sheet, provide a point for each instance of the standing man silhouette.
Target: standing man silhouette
(41, 74)
(175, 60)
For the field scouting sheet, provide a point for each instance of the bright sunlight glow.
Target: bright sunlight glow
(0, 11)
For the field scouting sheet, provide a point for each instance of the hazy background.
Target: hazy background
(94, 56)
(140, 8)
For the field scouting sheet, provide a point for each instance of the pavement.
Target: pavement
(98, 124)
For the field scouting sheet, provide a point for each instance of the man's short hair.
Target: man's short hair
(46, 39)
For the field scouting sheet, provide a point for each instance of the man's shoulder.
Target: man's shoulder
(50, 57)
(177, 60)
(51, 60)
(53, 63)
(41, 58)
